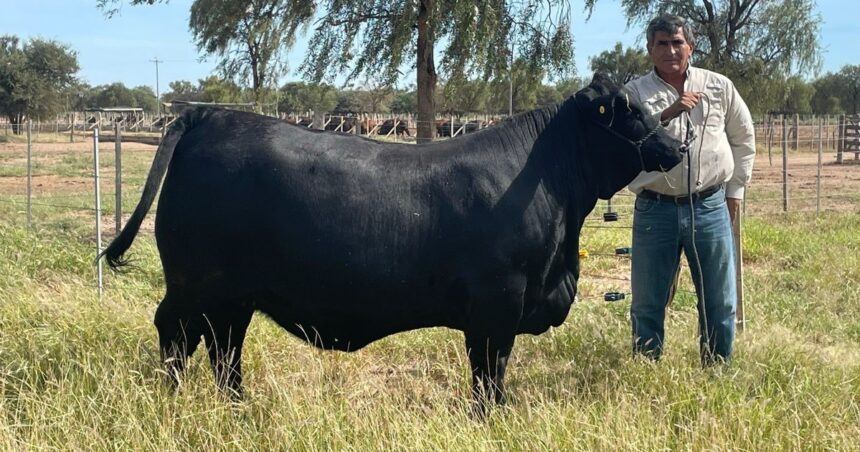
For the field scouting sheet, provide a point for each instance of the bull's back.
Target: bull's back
(287, 217)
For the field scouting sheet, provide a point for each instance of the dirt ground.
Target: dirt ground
(840, 183)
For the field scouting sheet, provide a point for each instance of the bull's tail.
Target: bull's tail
(114, 252)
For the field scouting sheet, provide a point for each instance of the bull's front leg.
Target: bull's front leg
(488, 356)
(492, 326)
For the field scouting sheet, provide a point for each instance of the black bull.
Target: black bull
(343, 240)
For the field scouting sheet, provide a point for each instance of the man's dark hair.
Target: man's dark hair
(669, 24)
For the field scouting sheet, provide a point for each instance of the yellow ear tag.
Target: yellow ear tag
(602, 110)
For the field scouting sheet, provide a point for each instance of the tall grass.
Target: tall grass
(79, 372)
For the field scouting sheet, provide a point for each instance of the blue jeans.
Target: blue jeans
(661, 230)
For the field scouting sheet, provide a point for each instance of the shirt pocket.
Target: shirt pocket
(713, 107)
(656, 103)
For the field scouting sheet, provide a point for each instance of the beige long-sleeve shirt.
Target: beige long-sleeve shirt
(724, 148)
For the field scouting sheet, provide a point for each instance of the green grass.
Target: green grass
(79, 372)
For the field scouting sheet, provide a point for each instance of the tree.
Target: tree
(114, 95)
(740, 30)
(380, 36)
(622, 65)
(796, 95)
(347, 102)
(404, 102)
(144, 98)
(756, 43)
(829, 90)
(181, 90)
(526, 82)
(376, 96)
(301, 96)
(216, 89)
(849, 76)
(34, 78)
(250, 37)
(569, 86)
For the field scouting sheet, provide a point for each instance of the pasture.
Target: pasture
(81, 372)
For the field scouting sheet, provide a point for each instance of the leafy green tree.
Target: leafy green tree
(756, 43)
(547, 95)
(347, 102)
(740, 30)
(569, 86)
(849, 76)
(181, 90)
(464, 96)
(796, 95)
(114, 95)
(144, 98)
(249, 37)
(622, 65)
(526, 81)
(404, 102)
(34, 78)
(219, 90)
(301, 96)
(829, 89)
(379, 37)
(376, 96)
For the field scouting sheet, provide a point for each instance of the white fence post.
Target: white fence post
(29, 173)
(98, 205)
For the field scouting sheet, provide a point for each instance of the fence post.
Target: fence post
(118, 179)
(29, 173)
(818, 178)
(796, 132)
(739, 271)
(784, 166)
(770, 132)
(72, 129)
(98, 204)
(840, 138)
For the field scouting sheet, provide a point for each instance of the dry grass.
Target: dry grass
(79, 372)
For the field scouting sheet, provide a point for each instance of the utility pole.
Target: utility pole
(157, 92)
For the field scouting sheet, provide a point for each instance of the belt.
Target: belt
(648, 194)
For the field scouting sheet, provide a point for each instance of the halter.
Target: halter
(636, 144)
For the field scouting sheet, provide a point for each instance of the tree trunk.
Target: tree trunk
(426, 74)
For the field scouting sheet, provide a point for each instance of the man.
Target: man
(704, 109)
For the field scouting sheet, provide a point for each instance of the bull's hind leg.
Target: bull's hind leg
(224, 330)
(178, 335)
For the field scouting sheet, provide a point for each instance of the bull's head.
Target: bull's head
(622, 139)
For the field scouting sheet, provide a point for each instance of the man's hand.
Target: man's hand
(687, 102)
(734, 205)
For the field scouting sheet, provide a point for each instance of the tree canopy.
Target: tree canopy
(622, 65)
(380, 37)
(250, 37)
(759, 44)
(34, 77)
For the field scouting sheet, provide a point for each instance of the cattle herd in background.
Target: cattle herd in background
(378, 126)
(399, 127)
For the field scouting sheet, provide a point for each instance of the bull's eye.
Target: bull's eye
(602, 109)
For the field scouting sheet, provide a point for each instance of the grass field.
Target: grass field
(79, 372)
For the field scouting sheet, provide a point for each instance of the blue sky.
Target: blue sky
(120, 49)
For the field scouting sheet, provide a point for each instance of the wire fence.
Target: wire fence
(50, 184)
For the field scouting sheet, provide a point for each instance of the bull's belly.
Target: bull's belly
(348, 321)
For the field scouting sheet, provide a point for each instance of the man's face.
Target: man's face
(670, 52)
